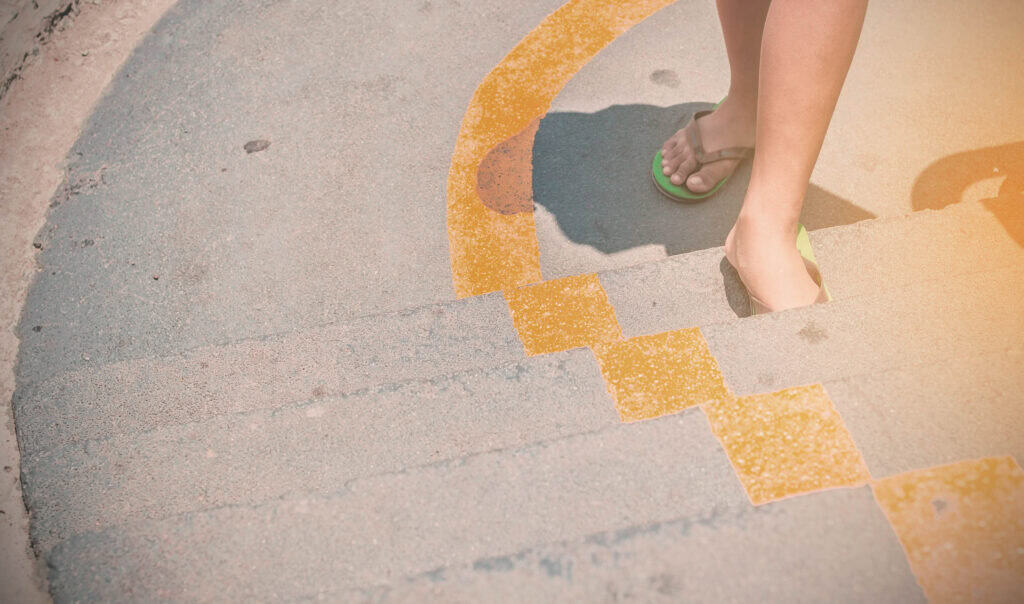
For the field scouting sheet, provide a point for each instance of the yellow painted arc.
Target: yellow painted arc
(490, 250)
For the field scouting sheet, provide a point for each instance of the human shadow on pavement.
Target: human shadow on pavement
(592, 172)
(947, 180)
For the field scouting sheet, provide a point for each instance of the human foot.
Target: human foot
(731, 125)
(770, 266)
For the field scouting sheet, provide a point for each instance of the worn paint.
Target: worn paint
(786, 443)
(655, 375)
(492, 250)
(562, 314)
(504, 179)
(962, 526)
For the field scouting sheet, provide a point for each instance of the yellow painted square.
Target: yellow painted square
(651, 376)
(962, 526)
(787, 443)
(561, 314)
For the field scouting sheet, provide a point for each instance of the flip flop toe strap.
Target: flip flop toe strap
(704, 157)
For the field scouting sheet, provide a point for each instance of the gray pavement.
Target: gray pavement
(315, 446)
(170, 236)
(244, 375)
(818, 543)
(264, 372)
(913, 356)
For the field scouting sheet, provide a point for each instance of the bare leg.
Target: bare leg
(733, 123)
(805, 54)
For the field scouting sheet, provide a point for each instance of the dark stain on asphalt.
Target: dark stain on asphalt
(37, 328)
(498, 563)
(812, 333)
(665, 584)
(552, 567)
(88, 242)
(666, 77)
(256, 146)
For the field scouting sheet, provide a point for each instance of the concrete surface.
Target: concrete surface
(455, 511)
(39, 121)
(25, 26)
(701, 558)
(322, 231)
(317, 446)
(142, 394)
(243, 374)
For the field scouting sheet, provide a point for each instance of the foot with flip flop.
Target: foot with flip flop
(686, 171)
(788, 61)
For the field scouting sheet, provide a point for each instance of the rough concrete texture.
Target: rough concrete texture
(450, 513)
(39, 122)
(921, 323)
(691, 289)
(835, 545)
(137, 257)
(25, 26)
(257, 172)
(316, 447)
(921, 416)
(893, 342)
(142, 394)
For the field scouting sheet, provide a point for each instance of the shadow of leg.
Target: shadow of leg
(591, 172)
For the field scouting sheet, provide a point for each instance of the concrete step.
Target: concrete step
(649, 509)
(856, 259)
(826, 547)
(317, 446)
(375, 529)
(142, 394)
(897, 352)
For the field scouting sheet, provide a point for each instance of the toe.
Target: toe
(709, 175)
(670, 165)
(685, 168)
(674, 145)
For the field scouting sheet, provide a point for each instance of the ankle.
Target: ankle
(740, 110)
(762, 223)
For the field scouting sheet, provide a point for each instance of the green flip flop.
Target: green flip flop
(803, 245)
(681, 193)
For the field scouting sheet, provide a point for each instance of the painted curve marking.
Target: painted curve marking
(491, 234)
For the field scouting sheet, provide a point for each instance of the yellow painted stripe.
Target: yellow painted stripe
(962, 527)
(661, 374)
(787, 443)
(562, 314)
(492, 250)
